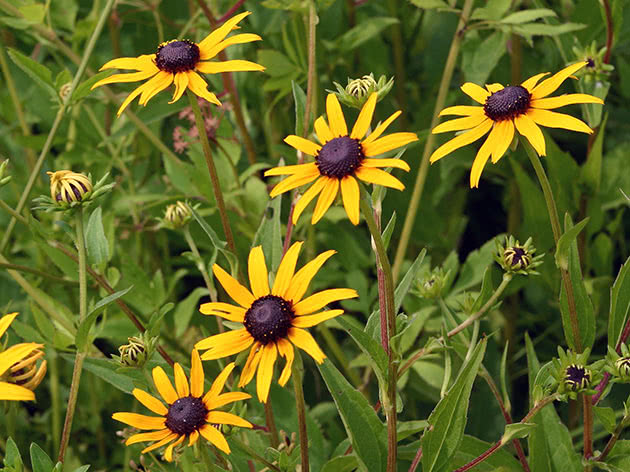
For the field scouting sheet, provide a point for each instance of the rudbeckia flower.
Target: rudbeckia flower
(178, 61)
(15, 359)
(273, 320)
(188, 413)
(522, 107)
(340, 159)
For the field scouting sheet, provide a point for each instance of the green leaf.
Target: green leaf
(517, 430)
(473, 270)
(12, 456)
(526, 16)
(565, 242)
(36, 71)
(95, 239)
(216, 242)
(471, 448)
(485, 57)
(299, 98)
(341, 464)
(409, 428)
(85, 88)
(389, 230)
(493, 10)
(430, 4)
(538, 29)
(367, 433)
(269, 233)
(186, 308)
(40, 460)
(487, 289)
(33, 13)
(583, 304)
(606, 417)
(368, 29)
(83, 468)
(448, 420)
(619, 304)
(591, 172)
(106, 370)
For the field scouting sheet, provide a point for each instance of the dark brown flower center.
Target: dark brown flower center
(177, 56)
(517, 256)
(339, 157)
(186, 415)
(507, 103)
(77, 188)
(577, 377)
(269, 319)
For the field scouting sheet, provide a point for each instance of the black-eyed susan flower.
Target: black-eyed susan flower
(273, 320)
(67, 187)
(188, 413)
(340, 159)
(508, 109)
(18, 367)
(178, 61)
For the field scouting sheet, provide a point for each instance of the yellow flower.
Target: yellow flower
(178, 61)
(13, 360)
(340, 158)
(67, 186)
(523, 107)
(272, 319)
(188, 413)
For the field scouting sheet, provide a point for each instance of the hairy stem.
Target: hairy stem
(298, 390)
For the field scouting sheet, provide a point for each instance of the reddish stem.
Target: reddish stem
(416, 461)
(481, 458)
(609, 31)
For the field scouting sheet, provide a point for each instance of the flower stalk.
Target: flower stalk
(298, 390)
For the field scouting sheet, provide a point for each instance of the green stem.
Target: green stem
(399, 59)
(13, 213)
(37, 272)
(81, 251)
(253, 454)
(587, 408)
(60, 114)
(557, 232)
(55, 400)
(214, 178)
(201, 266)
(613, 440)
(418, 187)
(270, 421)
(301, 412)
(389, 405)
(72, 403)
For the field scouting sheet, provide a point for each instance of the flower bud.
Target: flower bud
(4, 179)
(517, 258)
(177, 215)
(137, 352)
(28, 373)
(67, 187)
(356, 93)
(432, 284)
(577, 377)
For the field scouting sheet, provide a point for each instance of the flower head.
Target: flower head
(137, 352)
(188, 413)
(357, 92)
(178, 61)
(67, 187)
(572, 373)
(177, 215)
(522, 107)
(342, 158)
(517, 258)
(273, 320)
(19, 372)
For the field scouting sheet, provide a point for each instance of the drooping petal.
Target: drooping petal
(285, 349)
(140, 421)
(181, 381)
(294, 181)
(224, 310)
(460, 124)
(326, 198)
(199, 87)
(130, 98)
(311, 320)
(10, 391)
(336, 119)
(15, 354)
(181, 83)
(215, 437)
(397, 163)
(209, 53)
(290, 170)
(378, 177)
(307, 197)
(226, 398)
(302, 144)
(461, 140)
(197, 376)
(492, 88)
(550, 85)
(236, 65)
(193, 437)
(143, 62)
(161, 443)
(322, 130)
(387, 143)
(462, 110)
(164, 385)
(148, 400)
(218, 384)
(257, 270)
(562, 100)
(350, 196)
(168, 452)
(505, 134)
(319, 300)
(124, 78)
(225, 344)
(474, 91)
(286, 269)
(303, 339)
(265, 371)
(234, 289)
(380, 129)
(155, 85)
(302, 278)
(152, 436)
(526, 126)
(222, 417)
(221, 32)
(482, 157)
(364, 119)
(530, 83)
(552, 119)
(5, 321)
(251, 365)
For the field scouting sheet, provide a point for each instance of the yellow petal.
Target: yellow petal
(140, 421)
(397, 163)
(286, 269)
(222, 417)
(322, 130)
(482, 158)
(461, 140)
(319, 300)
(505, 134)
(285, 349)
(221, 32)
(250, 366)
(492, 88)
(164, 385)
(224, 310)
(199, 87)
(326, 198)
(209, 53)
(562, 100)
(152, 436)
(181, 83)
(181, 382)
(303, 339)
(460, 123)
(530, 83)
(15, 392)
(364, 119)
(526, 126)
(15, 354)
(144, 62)
(380, 129)
(335, 116)
(123, 78)
(474, 91)
(302, 278)
(197, 376)
(378, 177)
(225, 344)
(550, 85)
(462, 110)
(350, 195)
(551, 119)
(215, 437)
(226, 398)
(292, 182)
(388, 143)
(234, 289)
(265, 371)
(155, 85)
(5, 322)
(131, 97)
(192, 439)
(236, 65)
(168, 453)
(148, 400)
(307, 197)
(161, 443)
(218, 383)
(290, 170)
(258, 275)
(311, 320)
(304, 145)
